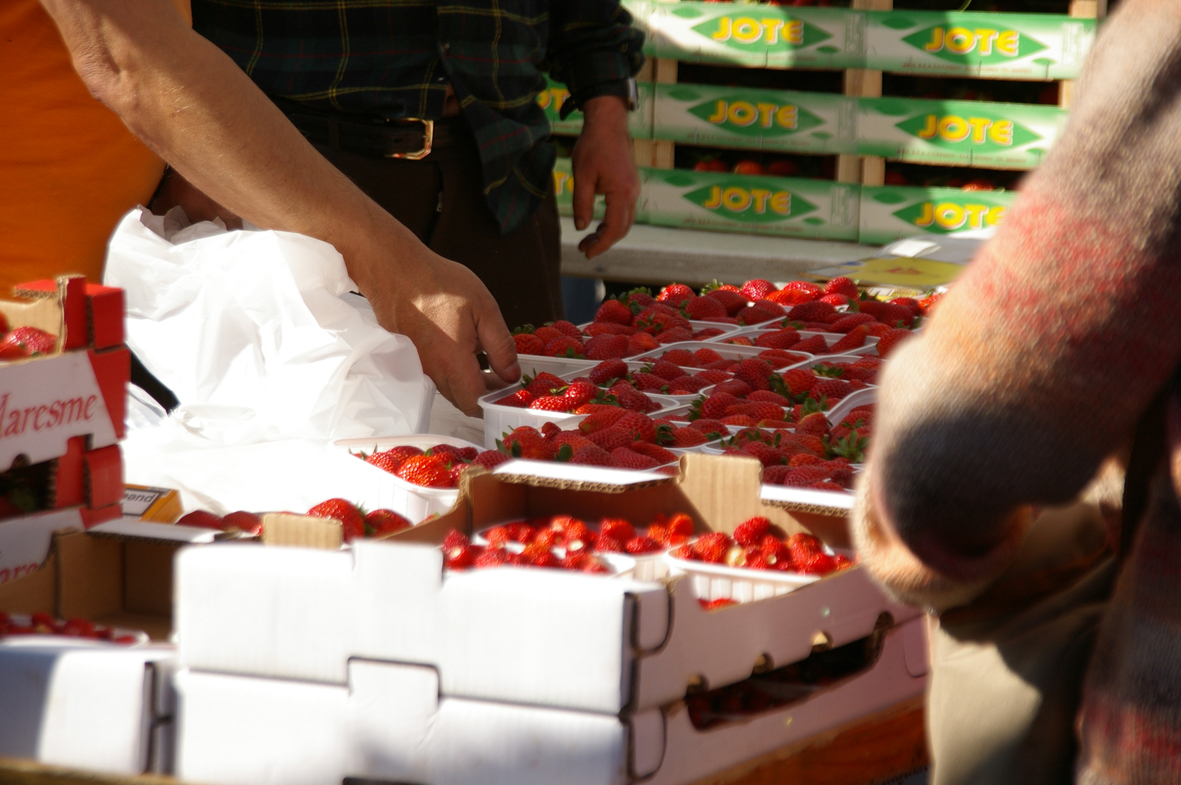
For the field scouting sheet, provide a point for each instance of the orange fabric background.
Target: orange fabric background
(69, 168)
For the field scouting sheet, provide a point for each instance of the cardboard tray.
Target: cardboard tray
(515, 634)
(393, 722)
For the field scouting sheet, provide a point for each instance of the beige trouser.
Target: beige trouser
(1007, 670)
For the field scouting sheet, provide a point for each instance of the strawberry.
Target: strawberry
(632, 399)
(351, 518)
(788, 297)
(640, 343)
(202, 519)
(804, 476)
(623, 458)
(674, 293)
(591, 455)
(549, 403)
(832, 389)
(758, 410)
(713, 605)
(614, 311)
(609, 439)
(773, 475)
(815, 424)
(757, 289)
(842, 285)
(666, 370)
(741, 340)
(928, 303)
(735, 387)
(766, 396)
(887, 313)
(754, 372)
(490, 459)
(528, 343)
(674, 335)
(712, 547)
(709, 426)
(379, 522)
(678, 357)
(518, 400)
(246, 522)
(702, 308)
(609, 328)
(732, 301)
(854, 339)
(607, 544)
(806, 288)
(606, 347)
(564, 347)
(654, 451)
(680, 528)
(649, 382)
(568, 328)
(638, 545)
(810, 312)
(755, 314)
(686, 437)
(601, 419)
(618, 528)
(891, 339)
(607, 370)
(687, 385)
(578, 393)
(426, 470)
(702, 357)
(543, 384)
(525, 442)
(847, 323)
(765, 453)
(713, 376)
(780, 339)
(909, 302)
(813, 345)
(751, 531)
(779, 358)
(640, 426)
(26, 342)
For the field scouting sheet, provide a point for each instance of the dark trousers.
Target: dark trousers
(441, 200)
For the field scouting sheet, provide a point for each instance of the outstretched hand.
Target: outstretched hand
(451, 317)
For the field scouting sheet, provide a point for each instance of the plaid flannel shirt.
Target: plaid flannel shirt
(397, 57)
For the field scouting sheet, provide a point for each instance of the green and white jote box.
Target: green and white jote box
(765, 36)
(958, 133)
(639, 122)
(998, 46)
(750, 204)
(890, 213)
(755, 119)
(564, 189)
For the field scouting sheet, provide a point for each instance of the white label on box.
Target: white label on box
(45, 402)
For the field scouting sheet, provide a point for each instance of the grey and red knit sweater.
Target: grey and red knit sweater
(1037, 367)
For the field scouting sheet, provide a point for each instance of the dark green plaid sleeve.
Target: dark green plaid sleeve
(592, 42)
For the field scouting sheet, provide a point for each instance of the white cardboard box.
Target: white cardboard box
(390, 723)
(86, 704)
(512, 634)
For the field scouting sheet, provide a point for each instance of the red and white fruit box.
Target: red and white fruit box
(25, 541)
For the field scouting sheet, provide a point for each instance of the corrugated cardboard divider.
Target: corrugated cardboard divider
(110, 581)
(303, 531)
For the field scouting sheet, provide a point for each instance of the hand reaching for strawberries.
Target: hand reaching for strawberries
(604, 164)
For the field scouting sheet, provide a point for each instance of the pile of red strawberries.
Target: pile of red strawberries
(355, 521)
(548, 393)
(46, 624)
(758, 545)
(563, 542)
(637, 322)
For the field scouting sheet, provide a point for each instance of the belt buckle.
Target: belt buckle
(428, 136)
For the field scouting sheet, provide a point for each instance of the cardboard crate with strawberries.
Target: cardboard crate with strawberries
(298, 613)
(63, 380)
(394, 722)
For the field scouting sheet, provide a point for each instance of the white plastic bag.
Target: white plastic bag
(257, 334)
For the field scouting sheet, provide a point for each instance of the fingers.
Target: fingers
(498, 344)
(584, 199)
(621, 213)
(464, 384)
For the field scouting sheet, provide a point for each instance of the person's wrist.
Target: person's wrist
(605, 109)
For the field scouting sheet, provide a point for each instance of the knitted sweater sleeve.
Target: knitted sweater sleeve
(1041, 359)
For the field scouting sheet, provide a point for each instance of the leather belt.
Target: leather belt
(409, 138)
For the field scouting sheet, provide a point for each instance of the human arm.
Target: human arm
(1046, 352)
(191, 104)
(593, 50)
(603, 164)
